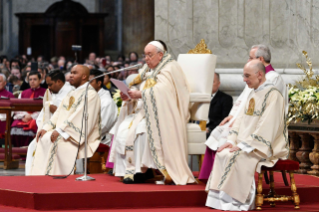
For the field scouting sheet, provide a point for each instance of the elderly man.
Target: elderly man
(58, 89)
(24, 125)
(4, 94)
(63, 134)
(219, 108)
(261, 53)
(108, 107)
(151, 130)
(259, 137)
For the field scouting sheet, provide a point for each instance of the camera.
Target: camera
(76, 48)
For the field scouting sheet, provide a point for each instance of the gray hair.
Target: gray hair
(259, 66)
(262, 51)
(3, 76)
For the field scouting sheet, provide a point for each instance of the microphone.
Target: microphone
(137, 66)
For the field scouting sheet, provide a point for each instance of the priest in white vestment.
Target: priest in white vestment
(262, 53)
(57, 90)
(108, 107)
(64, 133)
(259, 137)
(151, 128)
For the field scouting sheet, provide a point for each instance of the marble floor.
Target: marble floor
(11, 172)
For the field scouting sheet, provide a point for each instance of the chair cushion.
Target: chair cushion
(14, 156)
(16, 150)
(282, 165)
(103, 148)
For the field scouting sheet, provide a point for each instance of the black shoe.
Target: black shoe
(149, 174)
(128, 181)
(110, 172)
(139, 178)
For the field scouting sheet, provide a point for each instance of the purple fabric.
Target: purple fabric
(6, 93)
(20, 140)
(37, 92)
(269, 68)
(108, 163)
(3, 127)
(207, 165)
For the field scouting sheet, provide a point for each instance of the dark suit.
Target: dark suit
(219, 108)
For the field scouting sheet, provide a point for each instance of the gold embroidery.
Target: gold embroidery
(33, 153)
(251, 107)
(201, 48)
(136, 80)
(71, 101)
(150, 82)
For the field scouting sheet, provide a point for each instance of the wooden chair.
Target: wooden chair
(96, 164)
(272, 197)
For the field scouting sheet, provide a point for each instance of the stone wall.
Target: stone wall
(231, 27)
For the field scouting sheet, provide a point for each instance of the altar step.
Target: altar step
(31, 193)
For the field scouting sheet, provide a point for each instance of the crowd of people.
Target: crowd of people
(18, 68)
(150, 131)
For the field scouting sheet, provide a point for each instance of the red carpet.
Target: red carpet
(45, 193)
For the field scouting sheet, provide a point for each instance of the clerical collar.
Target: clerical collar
(269, 68)
(266, 84)
(82, 86)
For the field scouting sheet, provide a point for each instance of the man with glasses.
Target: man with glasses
(151, 130)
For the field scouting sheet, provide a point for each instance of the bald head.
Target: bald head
(79, 75)
(254, 74)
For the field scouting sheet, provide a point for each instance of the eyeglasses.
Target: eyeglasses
(148, 55)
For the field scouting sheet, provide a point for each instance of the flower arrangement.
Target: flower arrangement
(304, 96)
(118, 100)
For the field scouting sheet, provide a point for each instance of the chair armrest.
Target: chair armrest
(200, 97)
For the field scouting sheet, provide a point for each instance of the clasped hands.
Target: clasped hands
(228, 145)
(54, 135)
(134, 94)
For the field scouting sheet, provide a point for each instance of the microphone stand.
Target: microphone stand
(86, 116)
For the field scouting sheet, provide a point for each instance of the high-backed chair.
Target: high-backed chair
(199, 68)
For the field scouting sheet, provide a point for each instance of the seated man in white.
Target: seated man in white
(259, 137)
(261, 53)
(57, 90)
(63, 136)
(151, 128)
(108, 106)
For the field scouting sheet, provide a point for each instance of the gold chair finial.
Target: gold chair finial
(201, 48)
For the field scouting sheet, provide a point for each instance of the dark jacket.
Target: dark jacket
(219, 108)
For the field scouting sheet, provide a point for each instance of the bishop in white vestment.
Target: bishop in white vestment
(57, 90)
(64, 133)
(259, 137)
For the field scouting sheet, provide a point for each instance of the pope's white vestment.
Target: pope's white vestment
(108, 115)
(151, 132)
(68, 121)
(44, 117)
(261, 134)
(220, 133)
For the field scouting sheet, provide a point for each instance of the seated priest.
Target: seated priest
(263, 54)
(151, 128)
(57, 90)
(64, 133)
(108, 107)
(24, 127)
(4, 94)
(259, 137)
